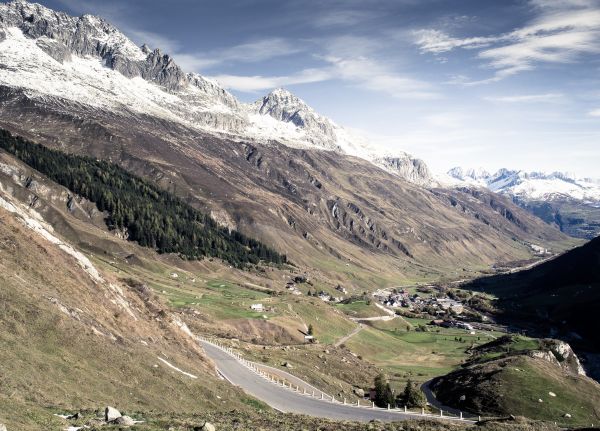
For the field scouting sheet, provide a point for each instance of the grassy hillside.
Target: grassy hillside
(504, 377)
(562, 294)
(69, 342)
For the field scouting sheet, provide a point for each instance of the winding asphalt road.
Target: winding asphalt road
(289, 401)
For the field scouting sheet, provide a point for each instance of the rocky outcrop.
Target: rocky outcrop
(288, 108)
(111, 414)
(207, 427)
(55, 49)
(560, 354)
(124, 420)
(61, 35)
(411, 169)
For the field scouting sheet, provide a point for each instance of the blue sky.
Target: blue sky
(465, 82)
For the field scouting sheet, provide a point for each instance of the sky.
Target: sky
(472, 83)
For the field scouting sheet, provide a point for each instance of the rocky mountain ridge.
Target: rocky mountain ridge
(561, 199)
(531, 185)
(79, 47)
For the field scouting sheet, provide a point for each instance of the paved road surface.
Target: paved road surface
(286, 400)
(431, 399)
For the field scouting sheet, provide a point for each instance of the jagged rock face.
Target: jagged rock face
(414, 170)
(324, 133)
(183, 97)
(87, 35)
(284, 106)
(560, 354)
(60, 34)
(54, 49)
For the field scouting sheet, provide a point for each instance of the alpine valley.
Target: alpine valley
(160, 240)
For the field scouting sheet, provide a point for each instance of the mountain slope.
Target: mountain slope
(75, 336)
(87, 49)
(140, 211)
(519, 376)
(570, 203)
(87, 315)
(532, 185)
(560, 296)
(339, 216)
(323, 133)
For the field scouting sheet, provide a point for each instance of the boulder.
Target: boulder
(567, 415)
(359, 392)
(207, 427)
(552, 394)
(110, 414)
(124, 420)
(2, 427)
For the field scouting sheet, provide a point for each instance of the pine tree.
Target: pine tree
(412, 396)
(384, 395)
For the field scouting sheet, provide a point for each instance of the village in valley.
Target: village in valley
(440, 305)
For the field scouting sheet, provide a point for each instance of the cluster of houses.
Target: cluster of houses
(326, 297)
(292, 288)
(453, 324)
(414, 302)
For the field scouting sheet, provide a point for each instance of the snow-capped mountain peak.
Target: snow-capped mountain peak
(318, 131)
(531, 185)
(86, 60)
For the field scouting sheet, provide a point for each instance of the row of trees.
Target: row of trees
(151, 216)
(410, 397)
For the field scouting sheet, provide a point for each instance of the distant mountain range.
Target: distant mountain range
(572, 203)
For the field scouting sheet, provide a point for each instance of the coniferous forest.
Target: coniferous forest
(153, 217)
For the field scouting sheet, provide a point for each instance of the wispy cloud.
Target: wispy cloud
(527, 98)
(342, 18)
(437, 42)
(249, 52)
(349, 59)
(594, 113)
(374, 75)
(257, 83)
(562, 32)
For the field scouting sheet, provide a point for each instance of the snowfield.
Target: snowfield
(530, 186)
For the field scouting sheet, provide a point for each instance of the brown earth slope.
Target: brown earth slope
(339, 215)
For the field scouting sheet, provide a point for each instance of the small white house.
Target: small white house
(257, 307)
